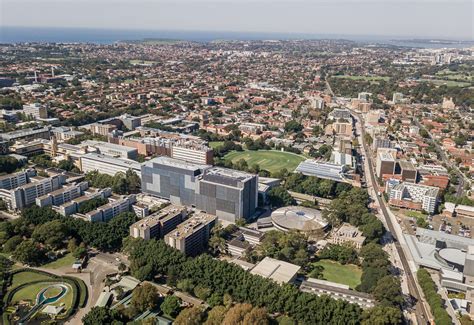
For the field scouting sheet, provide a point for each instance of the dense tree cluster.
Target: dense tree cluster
(120, 183)
(279, 197)
(293, 126)
(40, 230)
(286, 246)
(151, 258)
(92, 204)
(315, 186)
(344, 254)
(9, 164)
(351, 207)
(434, 299)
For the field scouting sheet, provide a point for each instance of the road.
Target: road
(422, 315)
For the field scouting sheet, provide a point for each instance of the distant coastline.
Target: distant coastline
(109, 36)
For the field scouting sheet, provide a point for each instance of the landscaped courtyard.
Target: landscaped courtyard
(270, 160)
(348, 274)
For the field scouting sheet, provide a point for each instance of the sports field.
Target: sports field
(270, 160)
(344, 274)
(364, 78)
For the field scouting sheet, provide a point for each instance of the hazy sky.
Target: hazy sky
(417, 18)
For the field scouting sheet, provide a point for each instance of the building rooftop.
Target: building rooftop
(229, 173)
(189, 226)
(279, 271)
(127, 163)
(298, 218)
(163, 160)
(162, 215)
(406, 165)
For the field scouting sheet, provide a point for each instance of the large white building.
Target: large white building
(11, 181)
(112, 209)
(62, 195)
(26, 195)
(414, 195)
(111, 149)
(108, 165)
(35, 111)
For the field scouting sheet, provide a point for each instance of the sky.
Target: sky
(453, 19)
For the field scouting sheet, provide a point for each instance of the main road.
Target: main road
(422, 315)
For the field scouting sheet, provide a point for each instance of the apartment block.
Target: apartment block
(408, 171)
(36, 111)
(191, 236)
(414, 196)
(158, 224)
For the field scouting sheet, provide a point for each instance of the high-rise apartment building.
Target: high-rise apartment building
(385, 163)
(191, 236)
(414, 196)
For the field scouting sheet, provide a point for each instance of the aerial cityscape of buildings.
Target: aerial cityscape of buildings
(311, 171)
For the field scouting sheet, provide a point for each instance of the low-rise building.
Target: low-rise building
(348, 234)
(112, 209)
(279, 271)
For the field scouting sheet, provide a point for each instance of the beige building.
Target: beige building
(348, 234)
(158, 224)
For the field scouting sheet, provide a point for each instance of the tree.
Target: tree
(216, 316)
(190, 316)
(185, 285)
(28, 252)
(145, 297)
(51, 233)
(12, 243)
(279, 197)
(201, 292)
(257, 316)
(293, 126)
(236, 314)
(133, 181)
(171, 306)
(381, 315)
(100, 316)
(80, 252)
(388, 291)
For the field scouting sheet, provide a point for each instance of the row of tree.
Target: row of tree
(434, 299)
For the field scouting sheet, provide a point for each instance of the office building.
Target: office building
(385, 163)
(112, 209)
(171, 179)
(191, 236)
(100, 129)
(158, 224)
(107, 165)
(131, 122)
(229, 194)
(191, 152)
(414, 196)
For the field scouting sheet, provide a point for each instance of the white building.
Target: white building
(112, 209)
(426, 195)
(191, 152)
(107, 164)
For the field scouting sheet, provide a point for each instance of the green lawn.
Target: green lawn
(415, 214)
(344, 274)
(66, 260)
(24, 277)
(270, 160)
(449, 83)
(215, 144)
(29, 292)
